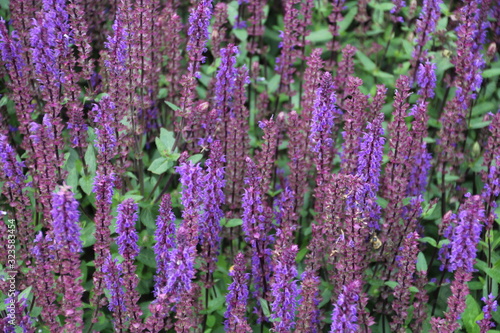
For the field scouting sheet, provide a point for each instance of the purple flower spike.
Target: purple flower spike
(68, 245)
(125, 227)
(345, 312)
(114, 283)
(237, 297)
(309, 319)
(128, 248)
(284, 289)
(369, 162)
(213, 199)
(467, 234)
(165, 241)
(65, 217)
(426, 79)
(322, 124)
(490, 306)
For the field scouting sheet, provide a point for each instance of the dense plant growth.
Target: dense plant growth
(251, 166)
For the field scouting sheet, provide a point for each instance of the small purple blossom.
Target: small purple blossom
(426, 78)
(65, 217)
(345, 312)
(165, 241)
(284, 289)
(237, 297)
(125, 227)
(487, 322)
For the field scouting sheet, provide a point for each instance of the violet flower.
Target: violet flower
(225, 87)
(165, 241)
(284, 289)
(398, 5)
(213, 199)
(426, 79)
(128, 249)
(396, 172)
(369, 163)
(289, 52)
(334, 20)
(219, 29)
(103, 189)
(321, 127)
(238, 143)
(468, 63)
(256, 227)
(255, 27)
(312, 79)
(68, 245)
(199, 21)
(112, 270)
(406, 261)
(345, 312)
(487, 322)
(308, 319)
(491, 174)
(44, 286)
(266, 157)
(12, 49)
(355, 117)
(237, 298)
(464, 234)
(425, 27)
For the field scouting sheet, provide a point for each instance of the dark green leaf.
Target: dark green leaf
(147, 257)
(421, 262)
(491, 72)
(160, 165)
(469, 316)
(172, 106)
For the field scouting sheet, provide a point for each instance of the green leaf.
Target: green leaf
(493, 273)
(367, 63)
(382, 202)
(265, 307)
(413, 289)
(421, 263)
(147, 218)
(429, 240)
(320, 36)
(491, 72)
(241, 34)
(195, 158)
(147, 257)
(210, 321)
(477, 123)
(273, 84)
(233, 223)
(469, 316)
(160, 165)
(301, 254)
(88, 237)
(391, 284)
(216, 303)
(86, 184)
(348, 18)
(482, 108)
(90, 159)
(167, 139)
(232, 12)
(24, 294)
(385, 6)
(434, 123)
(172, 106)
